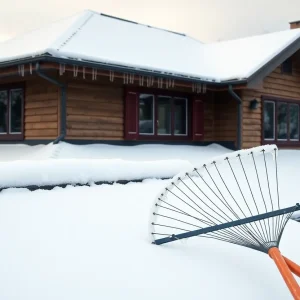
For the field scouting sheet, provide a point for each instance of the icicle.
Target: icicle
(111, 76)
(152, 80)
(173, 83)
(21, 70)
(94, 74)
(131, 78)
(193, 87)
(62, 68)
(30, 68)
(75, 70)
(126, 78)
(204, 88)
(83, 72)
(160, 82)
(141, 80)
(199, 87)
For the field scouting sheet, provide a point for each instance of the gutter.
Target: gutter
(62, 102)
(240, 112)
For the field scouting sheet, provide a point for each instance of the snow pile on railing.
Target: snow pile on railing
(84, 171)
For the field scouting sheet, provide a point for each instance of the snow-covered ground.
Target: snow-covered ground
(93, 242)
(63, 150)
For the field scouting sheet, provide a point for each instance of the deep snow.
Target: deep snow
(93, 242)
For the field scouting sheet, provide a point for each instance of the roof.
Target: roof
(93, 37)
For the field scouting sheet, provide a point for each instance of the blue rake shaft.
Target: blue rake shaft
(197, 232)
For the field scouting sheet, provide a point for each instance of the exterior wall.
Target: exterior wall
(95, 111)
(225, 115)
(41, 111)
(276, 85)
(209, 119)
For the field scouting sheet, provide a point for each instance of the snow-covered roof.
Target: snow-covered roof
(99, 38)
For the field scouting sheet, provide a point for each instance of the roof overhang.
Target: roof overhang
(272, 64)
(118, 68)
(251, 81)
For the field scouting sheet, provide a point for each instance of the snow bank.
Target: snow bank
(63, 150)
(74, 171)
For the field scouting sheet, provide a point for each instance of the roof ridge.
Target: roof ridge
(76, 30)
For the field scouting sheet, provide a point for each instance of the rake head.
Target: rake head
(233, 198)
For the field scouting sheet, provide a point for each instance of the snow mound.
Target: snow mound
(92, 243)
(83, 171)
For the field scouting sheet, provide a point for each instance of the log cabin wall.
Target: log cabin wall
(41, 110)
(276, 85)
(95, 109)
(225, 117)
(209, 118)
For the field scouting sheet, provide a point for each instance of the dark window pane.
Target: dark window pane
(164, 115)
(146, 116)
(294, 121)
(3, 111)
(282, 121)
(16, 100)
(269, 124)
(287, 66)
(180, 116)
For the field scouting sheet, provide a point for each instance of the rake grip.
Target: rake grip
(283, 268)
(292, 266)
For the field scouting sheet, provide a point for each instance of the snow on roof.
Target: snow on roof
(103, 39)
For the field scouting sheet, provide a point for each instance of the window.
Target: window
(180, 116)
(269, 120)
(282, 126)
(281, 121)
(160, 116)
(11, 113)
(287, 67)
(146, 114)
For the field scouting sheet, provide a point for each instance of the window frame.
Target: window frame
(165, 93)
(13, 136)
(280, 142)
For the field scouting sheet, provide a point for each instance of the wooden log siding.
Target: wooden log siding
(41, 110)
(225, 114)
(276, 85)
(95, 112)
(209, 119)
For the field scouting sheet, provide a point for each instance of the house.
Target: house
(97, 78)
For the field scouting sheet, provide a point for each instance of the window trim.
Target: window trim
(282, 143)
(11, 136)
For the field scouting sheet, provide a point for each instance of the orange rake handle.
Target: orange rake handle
(292, 266)
(286, 273)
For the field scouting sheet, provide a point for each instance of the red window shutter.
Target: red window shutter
(198, 119)
(131, 116)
